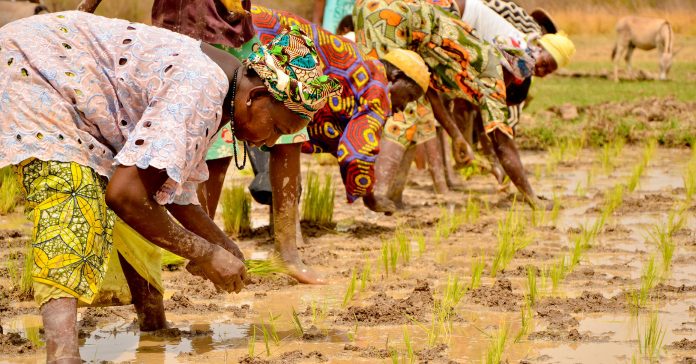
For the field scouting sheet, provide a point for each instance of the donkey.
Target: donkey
(14, 10)
(643, 33)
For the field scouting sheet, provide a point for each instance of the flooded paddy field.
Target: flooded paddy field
(460, 278)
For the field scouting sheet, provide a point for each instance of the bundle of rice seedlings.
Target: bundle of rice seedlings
(318, 205)
(236, 210)
(171, 261)
(267, 267)
(9, 191)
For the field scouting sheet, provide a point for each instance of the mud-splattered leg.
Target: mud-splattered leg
(60, 325)
(148, 301)
(285, 180)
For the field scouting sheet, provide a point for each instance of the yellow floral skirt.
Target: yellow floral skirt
(414, 125)
(75, 234)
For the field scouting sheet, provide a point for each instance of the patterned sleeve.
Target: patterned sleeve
(174, 132)
(359, 144)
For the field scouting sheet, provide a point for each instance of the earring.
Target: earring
(248, 102)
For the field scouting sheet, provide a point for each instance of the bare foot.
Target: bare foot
(379, 204)
(304, 274)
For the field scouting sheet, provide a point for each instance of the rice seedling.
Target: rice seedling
(557, 273)
(453, 293)
(272, 319)
(473, 210)
(251, 346)
(556, 209)
(477, 266)
(543, 281)
(350, 292)
(25, 286)
(10, 192)
(266, 338)
(650, 342)
(263, 268)
(404, 244)
(649, 278)
(689, 178)
(353, 335)
(609, 153)
(297, 324)
(236, 210)
(635, 177)
(319, 313)
(496, 347)
(526, 316)
(512, 237)
(537, 172)
(420, 240)
(34, 336)
(393, 256)
(580, 191)
(318, 204)
(170, 260)
(410, 356)
(660, 234)
(365, 275)
(532, 292)
(614, 198)
(579, 248)
(385, 257)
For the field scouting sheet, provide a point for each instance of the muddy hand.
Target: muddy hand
(222, 268)
(379, 204)
(463, 154)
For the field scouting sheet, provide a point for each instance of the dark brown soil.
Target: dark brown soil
(499, 295)
(586, 302)
(683, 344)
(387, 310)
(13, 343)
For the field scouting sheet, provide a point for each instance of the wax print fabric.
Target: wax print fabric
(462, 66)
(350, 125)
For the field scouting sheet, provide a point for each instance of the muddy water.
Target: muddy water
(586, 320)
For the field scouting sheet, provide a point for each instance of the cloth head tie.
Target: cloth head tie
(292, 72)
(559, 46)
(411, 64)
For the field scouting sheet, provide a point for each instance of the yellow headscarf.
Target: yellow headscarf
(411, 64)
(233, 6)
(559, 46)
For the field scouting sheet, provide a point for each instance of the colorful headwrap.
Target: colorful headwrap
(291, 70)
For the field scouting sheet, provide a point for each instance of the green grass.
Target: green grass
(25, 286)
(526, 316)
(297, 323)
(236, 210)
(10, 192)
(650, 342)
(251, 346)
(365, 275)
(473, 209)
(318, 203)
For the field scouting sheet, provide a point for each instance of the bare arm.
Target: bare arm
(88, 5)
(463, 153)
(318, 14)
(196, 220)
(129, 194)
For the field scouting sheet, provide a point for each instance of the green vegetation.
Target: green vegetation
(10, 191)
(318, 204)
(251, 347)
(526, 316)
(512, 237)
(557, 273)
(236, 210)
(650, 343)
(477, 266)
(532, 292)
(297, 324)
(350, 292)
(473, 209)
(650, 277)
(25, 287)
(496, 347)
(263, 268)
(365, 275)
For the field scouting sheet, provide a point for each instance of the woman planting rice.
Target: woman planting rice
(349, 127)
(107, 124)
(462, 66)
